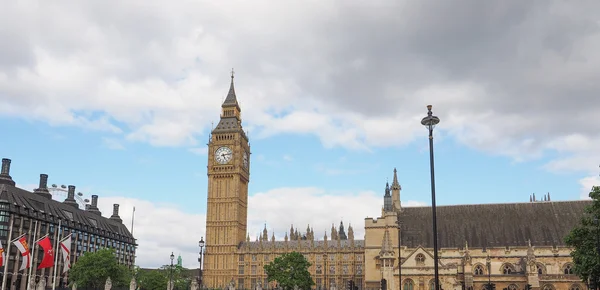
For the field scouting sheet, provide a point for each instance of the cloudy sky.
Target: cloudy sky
(118, 98)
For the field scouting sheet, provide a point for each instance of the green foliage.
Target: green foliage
(93, 268)
(584, 238)
(152, 280)
(179, 275)
(158, 279)
(289, 270)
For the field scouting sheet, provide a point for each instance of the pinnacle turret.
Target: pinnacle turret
(342, 232)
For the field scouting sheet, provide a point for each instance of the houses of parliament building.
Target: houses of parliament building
(509, 244)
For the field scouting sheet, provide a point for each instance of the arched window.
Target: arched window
(507, 269)
(512, 287)
(420, 258)
(541, 269)
(432, 285)
(409, 285)
(575, 287)
(568, 269)
(548, 287)
(478, 271)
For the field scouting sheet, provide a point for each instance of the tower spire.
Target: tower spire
(231, 99)
(395, 183)
(396, 204)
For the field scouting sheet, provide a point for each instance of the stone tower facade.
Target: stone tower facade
(228, 177)
(509, 244)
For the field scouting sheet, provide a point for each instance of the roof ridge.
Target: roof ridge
(500, 203)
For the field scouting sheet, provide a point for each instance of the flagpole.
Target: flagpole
(32, 255)
(69, 259)
(56, 243)
(10, 222)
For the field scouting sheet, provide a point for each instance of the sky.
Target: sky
(118, 98)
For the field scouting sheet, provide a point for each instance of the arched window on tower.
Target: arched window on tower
(568, 269)
(478, 271)
(408, 285)
(507, 269)
(575, 287)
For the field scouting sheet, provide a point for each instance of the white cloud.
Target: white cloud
(586, 185)
(280, 208)
(159, 72)
(159, 229)
(162, 228)
(112, 143)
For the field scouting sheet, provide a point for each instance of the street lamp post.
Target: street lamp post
(595, 275)
(171, 272)
(429, 122)
(200, 255)
(399, 252)
(325, 282)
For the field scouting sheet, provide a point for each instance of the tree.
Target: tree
(584, 239)
(152, 280)
(289, 270)
(93, 268)
(180, 276)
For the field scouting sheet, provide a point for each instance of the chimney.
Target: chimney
(93, 208)
(5, 173)
(115, 216)
(42, 190)
(71, 197)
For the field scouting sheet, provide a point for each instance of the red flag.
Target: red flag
(48, 260)
(2, 255)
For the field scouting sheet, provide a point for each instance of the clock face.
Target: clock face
(223, 155)
(245, 160)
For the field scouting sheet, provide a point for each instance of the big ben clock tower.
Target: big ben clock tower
(227, 207)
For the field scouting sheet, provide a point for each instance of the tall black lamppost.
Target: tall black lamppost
(200, 255)
(595, 275)
(489, 268)
(429, 122)
(171, 272)
(325, 283)
(399, 252)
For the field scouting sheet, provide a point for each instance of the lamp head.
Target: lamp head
(201, 242)
(172, 256)
(430, 121)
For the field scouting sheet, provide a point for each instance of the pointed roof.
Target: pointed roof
(231, 99)
(493, 225)
(387, 189)
(386, 245)
(395, 183)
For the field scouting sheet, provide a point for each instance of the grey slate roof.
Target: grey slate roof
(231, 98)
(304, 245)
(80, 218)
(493, 225)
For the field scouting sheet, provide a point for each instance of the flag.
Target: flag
(48, 259)
(2, 255)
(23, 247)
(65, 248)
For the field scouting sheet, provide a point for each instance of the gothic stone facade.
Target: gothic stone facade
(19, 209)
(510, 244)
